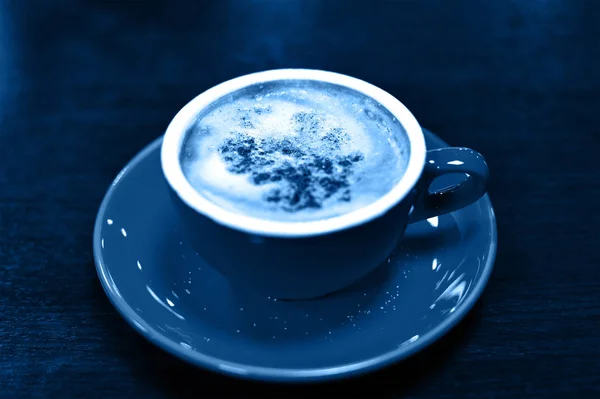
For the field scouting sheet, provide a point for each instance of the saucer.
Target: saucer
(163, 288)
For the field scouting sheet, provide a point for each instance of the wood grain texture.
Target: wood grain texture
(85, 85)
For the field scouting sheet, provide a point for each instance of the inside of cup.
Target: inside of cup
(294, 150)
(313, 90)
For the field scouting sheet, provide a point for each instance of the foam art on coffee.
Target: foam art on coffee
(294, 152)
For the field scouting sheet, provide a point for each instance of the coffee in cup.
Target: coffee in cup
(294, 151)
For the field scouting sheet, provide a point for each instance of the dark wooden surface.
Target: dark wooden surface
(84, 85)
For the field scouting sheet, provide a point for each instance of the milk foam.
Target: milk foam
(294, 152)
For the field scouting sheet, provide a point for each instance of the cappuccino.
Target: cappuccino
(294, 151)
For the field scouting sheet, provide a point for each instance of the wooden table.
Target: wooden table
(85, 85)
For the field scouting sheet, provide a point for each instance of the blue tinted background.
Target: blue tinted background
(85, 85)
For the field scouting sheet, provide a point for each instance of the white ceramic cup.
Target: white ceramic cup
(301, 260)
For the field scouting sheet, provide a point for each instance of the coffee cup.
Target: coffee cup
(289, 256)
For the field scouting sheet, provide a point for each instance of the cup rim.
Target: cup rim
(178, 127)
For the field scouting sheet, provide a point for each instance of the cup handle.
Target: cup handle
(449, 160)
